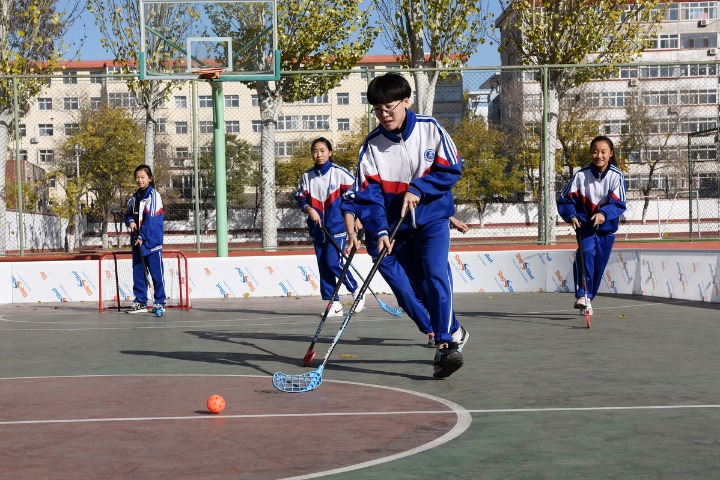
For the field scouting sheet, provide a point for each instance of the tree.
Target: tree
(646, 142)
(431, 34)
(569, 32)
(487, 175)
(239, 161)
(30, 32)
(576, 124)
(335, 39)
(119, 23)
(110, 147)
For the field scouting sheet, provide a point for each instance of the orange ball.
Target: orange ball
(216, 404)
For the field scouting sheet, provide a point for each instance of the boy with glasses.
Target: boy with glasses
(410, 164)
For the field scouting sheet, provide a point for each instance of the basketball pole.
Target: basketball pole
(220, 168)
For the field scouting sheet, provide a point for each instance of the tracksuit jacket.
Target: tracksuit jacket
(421, 159)
(590, 192)
(322, 188)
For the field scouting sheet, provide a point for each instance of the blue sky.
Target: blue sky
(487, 55)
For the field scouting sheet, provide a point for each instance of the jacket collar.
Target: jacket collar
(324, 168)
(410, 121)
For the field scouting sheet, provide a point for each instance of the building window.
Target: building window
(45, 103)
(698, 97)
(95, 103)
(698, 40)
(161, 125)
(121, 100)
(285, 149)
(698, 10)
(616, 127)
(232, 101)
(317, 100)
(288, 122)
(255, 100)
(368, 72)
(343, 124)
(205, 101)
(71, 129)
(181, 128)
(669, 41)
(71, 103)
(45, 130)
(256, 126)
(70, 78)
(182, 152)
(232, 126)
(316, 122)
(206, 126)
(180, 101)
(23, 130)
(363, 98)
(343, 98)
(46, 156)
(95, 78)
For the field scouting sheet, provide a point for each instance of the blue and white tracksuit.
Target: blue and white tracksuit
(423, 160)
(145, 208)
(588, 193)
(322, 189)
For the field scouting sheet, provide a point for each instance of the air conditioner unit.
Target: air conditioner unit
(702, 23)
(33, 140)
(633, 82)
(712, 51)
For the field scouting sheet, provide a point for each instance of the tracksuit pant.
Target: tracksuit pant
(596, 253)
(155, 268)
(330, 265)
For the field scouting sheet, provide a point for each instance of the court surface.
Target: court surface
(111, 395)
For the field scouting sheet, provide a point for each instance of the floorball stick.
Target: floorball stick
(391, 310)
(582, 272)
(310, 355)
(311, 380)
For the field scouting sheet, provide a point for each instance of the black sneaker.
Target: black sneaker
(447, 360)
(138, 308)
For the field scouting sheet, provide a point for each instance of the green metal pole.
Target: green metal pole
(690, 180)
(18, 168)
(196, 179)
(220, 173)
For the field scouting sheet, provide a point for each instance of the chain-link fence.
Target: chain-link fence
(77, 143)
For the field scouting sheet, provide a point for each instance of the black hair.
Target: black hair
(321, 140)
(388, 88)
(603, 138)
(147, 171)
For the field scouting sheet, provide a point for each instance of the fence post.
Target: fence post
(18, 170)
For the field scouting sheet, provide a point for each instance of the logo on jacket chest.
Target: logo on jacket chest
(429, 155)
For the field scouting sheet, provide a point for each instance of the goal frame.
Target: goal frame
(109, 281)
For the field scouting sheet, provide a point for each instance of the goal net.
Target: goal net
(116, 281)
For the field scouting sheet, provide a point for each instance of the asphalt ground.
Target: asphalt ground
(85, 394)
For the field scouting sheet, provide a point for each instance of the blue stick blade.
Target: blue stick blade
(391, 310)
(297, 383)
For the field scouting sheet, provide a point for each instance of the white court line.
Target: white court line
(355, 414)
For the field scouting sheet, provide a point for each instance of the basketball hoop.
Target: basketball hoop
(209, 73)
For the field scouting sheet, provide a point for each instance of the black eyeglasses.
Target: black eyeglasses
(379, 111)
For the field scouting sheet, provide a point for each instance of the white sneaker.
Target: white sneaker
(336, 310)
(138, 308)
(587, 309)
(361, 303)
(579, 303)
(460, 338)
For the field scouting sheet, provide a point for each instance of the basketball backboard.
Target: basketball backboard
(181, 38)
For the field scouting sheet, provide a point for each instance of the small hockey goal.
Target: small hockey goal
(116, 281)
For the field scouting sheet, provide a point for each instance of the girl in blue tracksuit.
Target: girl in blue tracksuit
(320, 197)
(410, 163)
(145, 218)
(592, 203)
